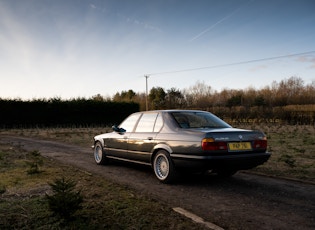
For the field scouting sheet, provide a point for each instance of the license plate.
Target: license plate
(239, 146)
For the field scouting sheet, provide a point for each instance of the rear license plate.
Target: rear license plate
(239, 146)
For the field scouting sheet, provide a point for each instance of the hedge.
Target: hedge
(54, 113)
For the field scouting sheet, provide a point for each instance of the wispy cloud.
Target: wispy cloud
(143, 24)
(258, 68)
(211, 27)
(217, 23)
(307, 59)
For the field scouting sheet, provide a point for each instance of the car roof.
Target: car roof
(172, 110)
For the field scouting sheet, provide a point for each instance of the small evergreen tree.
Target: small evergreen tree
(35, 160)
(64, 201)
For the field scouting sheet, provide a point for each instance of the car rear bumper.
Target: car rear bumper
(236, 162)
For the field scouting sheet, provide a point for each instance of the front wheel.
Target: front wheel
(163, 167)
(99, 154)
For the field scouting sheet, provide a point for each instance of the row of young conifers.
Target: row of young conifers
(62, 113)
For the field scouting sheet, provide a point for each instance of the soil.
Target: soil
(244, 201)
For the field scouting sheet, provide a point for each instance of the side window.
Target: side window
(130, 122)
(158, 123)
(146, 122)
(182, 119)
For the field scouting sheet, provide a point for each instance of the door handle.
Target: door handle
(150, 138)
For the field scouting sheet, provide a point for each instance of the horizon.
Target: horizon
(183, 91)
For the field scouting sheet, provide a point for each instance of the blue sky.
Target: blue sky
(80, 48)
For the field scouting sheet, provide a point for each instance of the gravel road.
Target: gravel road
(244, 201)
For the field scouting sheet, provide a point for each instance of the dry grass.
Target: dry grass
(293, 151)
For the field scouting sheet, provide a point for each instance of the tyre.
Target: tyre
(163, 167)
(99, 154)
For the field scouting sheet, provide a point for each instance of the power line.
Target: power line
(231, 64)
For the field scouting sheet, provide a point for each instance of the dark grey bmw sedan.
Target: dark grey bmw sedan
(176, 141)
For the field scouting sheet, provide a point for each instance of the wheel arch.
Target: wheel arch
(99, 140)
(157, 148)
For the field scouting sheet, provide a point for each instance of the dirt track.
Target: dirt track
(244, 201)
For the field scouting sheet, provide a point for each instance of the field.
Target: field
(292, 147)
(108, 205)
(293, 152)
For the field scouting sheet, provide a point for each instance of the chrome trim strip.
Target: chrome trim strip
(127, 160)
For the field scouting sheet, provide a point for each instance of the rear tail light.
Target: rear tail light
(260, 144)
(211, 144)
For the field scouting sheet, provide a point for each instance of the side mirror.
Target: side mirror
(117, 129)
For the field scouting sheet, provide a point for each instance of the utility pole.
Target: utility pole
(146, 92)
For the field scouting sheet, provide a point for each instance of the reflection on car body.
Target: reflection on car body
(175, 141)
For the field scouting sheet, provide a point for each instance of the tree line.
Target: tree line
(289, 101)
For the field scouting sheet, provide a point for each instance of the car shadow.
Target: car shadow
(203, 178)
(184, 178)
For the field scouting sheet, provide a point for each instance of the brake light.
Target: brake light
(211, 144)
(260, 144)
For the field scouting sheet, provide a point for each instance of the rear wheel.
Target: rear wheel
(163, 167)
(99, 154)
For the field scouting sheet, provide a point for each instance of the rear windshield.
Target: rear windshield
(187, 119)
